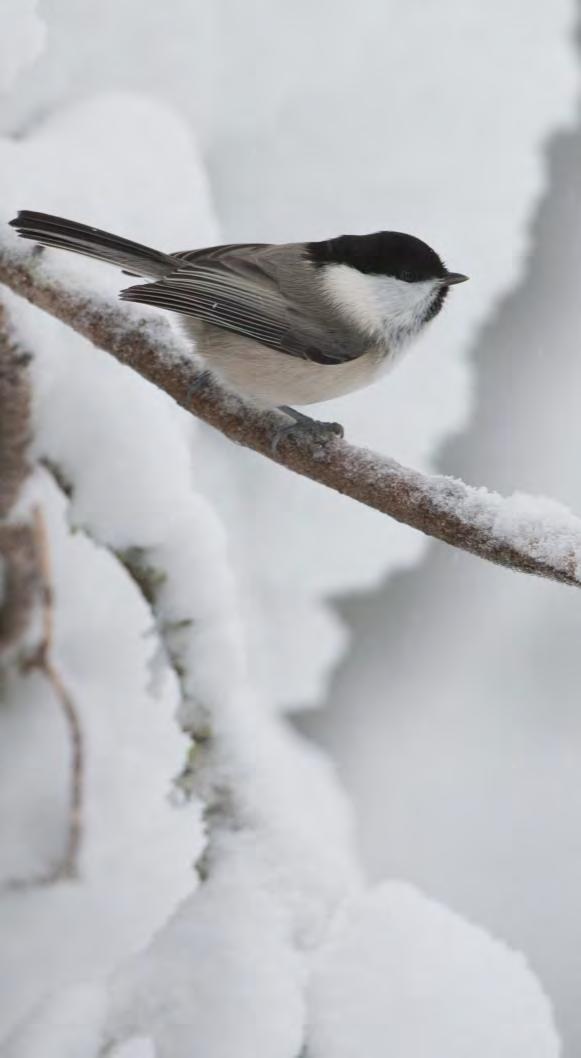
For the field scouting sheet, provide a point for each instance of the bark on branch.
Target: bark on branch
(19, 589)
(15, 416)
(539, 538)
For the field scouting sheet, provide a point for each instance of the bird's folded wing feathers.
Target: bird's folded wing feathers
(230, 288)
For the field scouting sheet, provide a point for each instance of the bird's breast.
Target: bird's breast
(273, 378)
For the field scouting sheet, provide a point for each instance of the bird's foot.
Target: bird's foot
(317, 435)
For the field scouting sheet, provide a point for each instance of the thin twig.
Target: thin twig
(445, 508)
(43, 661)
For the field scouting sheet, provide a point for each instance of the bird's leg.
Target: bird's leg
(314, 426)
(306, 429)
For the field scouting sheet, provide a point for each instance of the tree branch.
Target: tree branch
(15, 402)
(20, 583)
(533, 536)
(26, 581)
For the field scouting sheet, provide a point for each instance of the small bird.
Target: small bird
(282, 324)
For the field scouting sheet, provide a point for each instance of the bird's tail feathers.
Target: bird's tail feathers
(131, 256)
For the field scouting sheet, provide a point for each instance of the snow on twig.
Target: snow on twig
(24, 549)
(43, 660)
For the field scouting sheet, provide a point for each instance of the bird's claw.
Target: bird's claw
(310, 432)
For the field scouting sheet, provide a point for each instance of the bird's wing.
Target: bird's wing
(236, 288)
(235, 250)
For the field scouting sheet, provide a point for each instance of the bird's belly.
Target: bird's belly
(275, 378)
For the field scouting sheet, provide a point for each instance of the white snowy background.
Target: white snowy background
(453, 712)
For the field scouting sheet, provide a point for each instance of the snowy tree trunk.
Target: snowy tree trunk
(20, 580)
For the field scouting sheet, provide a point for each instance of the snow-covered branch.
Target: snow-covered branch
(26, 589)
(532, 535)
(19, 587)
(15, 417)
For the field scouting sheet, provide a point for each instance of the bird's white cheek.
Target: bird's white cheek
(403, 303)
(354, 296)
(382, 306)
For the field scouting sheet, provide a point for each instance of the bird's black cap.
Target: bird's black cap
(390, 253)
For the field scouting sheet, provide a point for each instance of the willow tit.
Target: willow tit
(295, 323)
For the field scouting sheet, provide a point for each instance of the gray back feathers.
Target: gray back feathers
(270, 294)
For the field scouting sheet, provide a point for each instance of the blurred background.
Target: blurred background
(456, 721)
(445, 691)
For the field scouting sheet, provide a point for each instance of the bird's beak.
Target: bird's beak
(453, 277)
